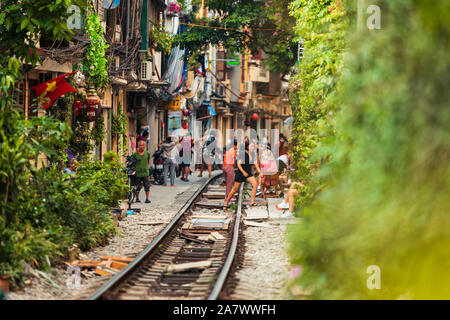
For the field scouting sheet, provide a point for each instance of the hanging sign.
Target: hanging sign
(174, 121)
(175, 104)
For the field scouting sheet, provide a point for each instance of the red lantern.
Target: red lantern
(184, 125)
(255, 117)
(92, 99)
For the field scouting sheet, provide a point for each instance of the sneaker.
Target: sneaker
(287, 215)
(258, 193)
(138, 201)
(173, 185)
(165, 185)
(282, 206)
(147, 201)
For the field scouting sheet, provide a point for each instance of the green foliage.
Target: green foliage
(80, 141)
(22, 22)
(162, 40)
(387, 181)
(61, 108)
(314, 86)
(98, 132)
(43, 212)
(95, 59)
(243, 24)
(46, 135)
(105, 182)
(119, 128)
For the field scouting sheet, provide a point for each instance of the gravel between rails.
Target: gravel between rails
(132, 239)
(264, 273)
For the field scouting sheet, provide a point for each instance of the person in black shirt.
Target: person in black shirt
(246, 159)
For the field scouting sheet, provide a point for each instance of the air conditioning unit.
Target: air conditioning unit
(146, 71)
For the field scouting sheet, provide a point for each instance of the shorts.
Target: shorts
(142, 181)
(184, 165)
(239, 177)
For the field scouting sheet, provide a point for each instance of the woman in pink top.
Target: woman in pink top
(228, 167)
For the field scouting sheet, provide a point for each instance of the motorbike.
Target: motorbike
(158, 168)
(130, 168)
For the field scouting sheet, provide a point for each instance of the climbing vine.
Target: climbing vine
(95, 60)
(98, 132)
(119, 128)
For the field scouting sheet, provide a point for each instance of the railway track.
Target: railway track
(190, 259)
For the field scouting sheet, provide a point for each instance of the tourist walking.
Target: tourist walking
(228, 166)
(169, 156)
(246, 160)
(186, 150)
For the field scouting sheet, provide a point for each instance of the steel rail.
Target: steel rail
(231, 254)
(116, 280)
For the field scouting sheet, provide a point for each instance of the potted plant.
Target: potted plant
(162, 40)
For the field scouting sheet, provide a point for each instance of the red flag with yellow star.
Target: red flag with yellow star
(54, 89)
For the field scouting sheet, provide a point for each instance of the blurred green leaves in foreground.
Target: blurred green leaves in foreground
(386, 200)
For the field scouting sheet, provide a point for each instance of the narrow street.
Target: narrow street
(325, 124)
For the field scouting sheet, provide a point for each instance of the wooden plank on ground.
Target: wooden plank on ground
(101, 272)
(256, 213)
(118, 265)
(214, 195)
(210, 204)
(150, 223)
(120, 259)
(217, 235)
(85, 263)
(216, 188)
(190, 265)
(214, 236)
(195, 238)
(203, 226)
(223, 216)
(203, 221)
(256, 224)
